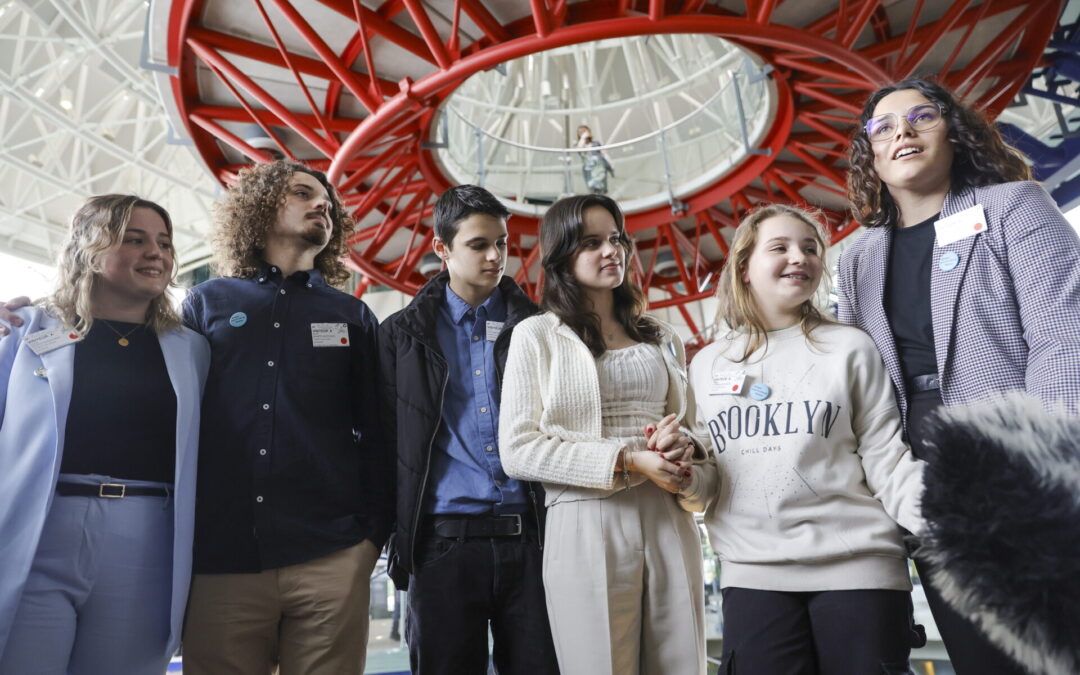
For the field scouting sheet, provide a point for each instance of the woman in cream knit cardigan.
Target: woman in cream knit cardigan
(594, 403)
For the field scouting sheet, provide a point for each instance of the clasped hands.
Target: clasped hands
(666, 458)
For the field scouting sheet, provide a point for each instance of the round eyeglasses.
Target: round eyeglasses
(921, 117)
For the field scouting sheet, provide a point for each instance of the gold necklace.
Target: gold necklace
(123, 341)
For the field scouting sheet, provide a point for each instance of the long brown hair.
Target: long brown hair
(737, 307)
(980, 156)
(97, 227)
(250, 209)
(560, 239)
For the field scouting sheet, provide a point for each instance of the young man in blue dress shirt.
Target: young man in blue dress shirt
(467, 543)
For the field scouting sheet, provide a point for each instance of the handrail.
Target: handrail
(594, 148)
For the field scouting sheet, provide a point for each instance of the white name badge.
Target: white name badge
(44, 341)
(330, 335)
(728, 383)
(959, 225)
(493, 329)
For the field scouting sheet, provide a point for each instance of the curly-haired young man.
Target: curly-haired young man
(290, 515)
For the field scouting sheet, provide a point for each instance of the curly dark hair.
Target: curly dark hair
(980, 156)
(560, 238)
(249, 210)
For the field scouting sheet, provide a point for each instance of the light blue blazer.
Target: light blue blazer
(33, 414)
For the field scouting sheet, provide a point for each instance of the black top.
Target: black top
(291, 466)
(122, 418)
(907, 297)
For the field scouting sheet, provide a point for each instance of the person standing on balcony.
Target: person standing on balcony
(967, 278)
(99, 429)
(468, 538)
(594, 164)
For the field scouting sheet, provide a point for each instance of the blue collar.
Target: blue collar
(459, 308)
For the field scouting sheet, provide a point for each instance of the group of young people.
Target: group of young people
(231, 474)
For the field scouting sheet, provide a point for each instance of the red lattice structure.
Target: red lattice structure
(353, 88)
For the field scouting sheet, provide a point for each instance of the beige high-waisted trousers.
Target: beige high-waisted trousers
(624, 584)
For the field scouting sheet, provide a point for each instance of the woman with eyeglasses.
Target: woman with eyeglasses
(967, 278)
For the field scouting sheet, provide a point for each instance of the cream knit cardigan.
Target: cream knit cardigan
(550, 420)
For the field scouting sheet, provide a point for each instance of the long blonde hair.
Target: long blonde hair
(97, 227)
(737, 306)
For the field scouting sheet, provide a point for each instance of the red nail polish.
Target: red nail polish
(677, 464)
(686, 473)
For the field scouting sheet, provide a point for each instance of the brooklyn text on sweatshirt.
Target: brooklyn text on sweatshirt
(814, 473)
(773, 419)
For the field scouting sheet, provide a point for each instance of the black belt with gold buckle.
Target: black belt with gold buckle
(108, 490)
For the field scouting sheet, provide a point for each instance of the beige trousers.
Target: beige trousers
(624, 585)
(309, 619)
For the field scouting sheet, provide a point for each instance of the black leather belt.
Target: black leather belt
(458, 527)
(108, 490)
(924, 383)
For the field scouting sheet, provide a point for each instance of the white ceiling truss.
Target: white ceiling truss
(79, 116)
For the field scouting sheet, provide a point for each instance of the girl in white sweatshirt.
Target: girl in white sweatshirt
(816, 480)
(622, 557)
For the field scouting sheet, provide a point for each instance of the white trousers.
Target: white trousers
(624, 585)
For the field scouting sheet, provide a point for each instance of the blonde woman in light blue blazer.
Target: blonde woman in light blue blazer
(95, 563)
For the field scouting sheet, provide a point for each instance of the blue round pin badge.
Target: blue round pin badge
(948, 261)
(238, 319)
(759, 391)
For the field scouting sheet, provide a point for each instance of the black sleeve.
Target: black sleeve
(378, 455)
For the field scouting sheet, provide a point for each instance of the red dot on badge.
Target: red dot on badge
(344, 341)
(734, 387)
(978, 226)
(73, 336)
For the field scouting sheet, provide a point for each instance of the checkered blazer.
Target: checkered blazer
(1007, 317)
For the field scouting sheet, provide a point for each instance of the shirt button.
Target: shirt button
(309, 285)
(266, 406)
(273, 269)
(476, 338)
(259, 499)
(277, 325)
(488, 448)
(262, 279)
(283, 291)
(262, 451)
(270, 363)
(479, 372)
(483, 410)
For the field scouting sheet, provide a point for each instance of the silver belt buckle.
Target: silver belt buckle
(101, 490)
(517, 521)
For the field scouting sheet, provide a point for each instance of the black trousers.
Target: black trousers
(459, 588)
(860, 632)
(971, 652)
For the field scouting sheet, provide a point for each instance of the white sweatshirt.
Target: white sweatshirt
(815, 476)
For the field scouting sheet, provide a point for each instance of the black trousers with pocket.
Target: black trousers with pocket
(859, 632)
(460, 587)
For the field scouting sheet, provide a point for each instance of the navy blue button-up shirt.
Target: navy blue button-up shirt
(291, 467)
(467, 473)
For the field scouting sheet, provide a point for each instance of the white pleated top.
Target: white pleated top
(633, 392)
